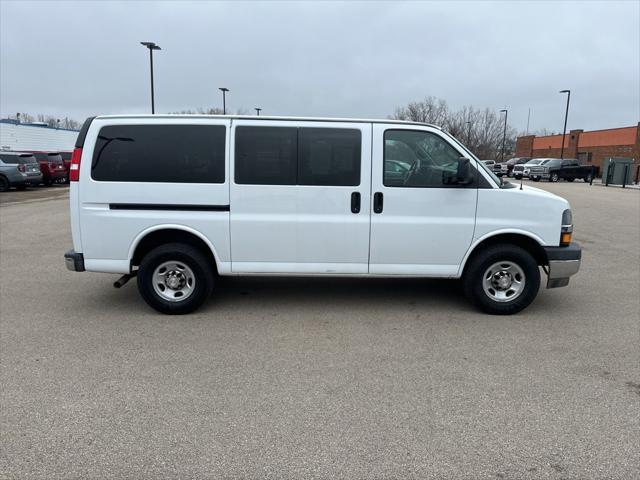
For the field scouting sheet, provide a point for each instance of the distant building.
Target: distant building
(588, 147)
(18, 137)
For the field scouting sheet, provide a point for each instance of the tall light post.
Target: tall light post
(151, 46)
(258, 110)
(224, 99)
(504, 133)
(566, 115)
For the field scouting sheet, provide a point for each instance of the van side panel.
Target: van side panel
(114, 214)
(500, 209)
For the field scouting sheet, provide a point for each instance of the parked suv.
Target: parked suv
(556, 169)
(177, 200)
(18, 170)
(52, 167)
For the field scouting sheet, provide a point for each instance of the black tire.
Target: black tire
(536, 179)
(570, 179)
(554, 177)
(517, 177)
(483, 260)
(4, 184)
(587, 178)
(194, 259)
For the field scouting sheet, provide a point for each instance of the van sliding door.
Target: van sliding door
(300, 197)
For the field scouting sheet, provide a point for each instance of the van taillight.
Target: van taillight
(22, 168)
(74, 168)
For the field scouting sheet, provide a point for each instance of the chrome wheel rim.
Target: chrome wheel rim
(503, 281)
(173, 281)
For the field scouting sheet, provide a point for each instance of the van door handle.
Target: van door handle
(377, 202)
(355, 202)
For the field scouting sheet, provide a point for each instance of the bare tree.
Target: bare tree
(50, 120)
(480, 130)
(209, 111)
(23, 117)
(429, 110)
(543, 132)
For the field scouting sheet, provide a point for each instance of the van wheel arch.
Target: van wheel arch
(172, 235)
(527, 243)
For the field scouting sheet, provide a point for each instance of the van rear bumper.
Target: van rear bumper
(563, 262)
(74, 261)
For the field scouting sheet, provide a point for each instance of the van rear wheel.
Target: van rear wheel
(175, 278)
(502, 280)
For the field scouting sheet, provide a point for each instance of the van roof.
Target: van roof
(272, 118)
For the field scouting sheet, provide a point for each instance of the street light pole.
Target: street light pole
(566, 115)
(257, 111)
(504, 133)
(224, 99)
(151, 46)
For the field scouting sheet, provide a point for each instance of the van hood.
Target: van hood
(539, 193)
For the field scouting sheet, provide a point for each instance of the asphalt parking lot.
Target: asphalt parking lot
(321, 378)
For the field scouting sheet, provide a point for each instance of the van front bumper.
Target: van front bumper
(74, 261)
(563, 262)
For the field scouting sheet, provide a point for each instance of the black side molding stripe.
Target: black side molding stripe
(162, 206)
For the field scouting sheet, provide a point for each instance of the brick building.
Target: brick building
(588, 147)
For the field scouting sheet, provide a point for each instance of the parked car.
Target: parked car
(506, 168)
(52, 167)
(175, 201)
(66, 158)
(522, 170)
(556, 169)
(489, 163)
(18, 170)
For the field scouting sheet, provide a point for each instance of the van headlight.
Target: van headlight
(566, 230)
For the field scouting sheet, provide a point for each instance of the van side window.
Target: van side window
(329, 156)
(298, 156)
(266, 155)
(415, 158)
(160, 153)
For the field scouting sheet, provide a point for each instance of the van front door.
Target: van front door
(423, 218)
(300, 196)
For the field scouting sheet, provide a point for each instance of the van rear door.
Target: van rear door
(300, 196)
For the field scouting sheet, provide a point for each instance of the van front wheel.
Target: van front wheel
(502, 280)
(175, 278)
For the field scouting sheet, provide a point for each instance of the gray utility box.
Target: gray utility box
(614, 168)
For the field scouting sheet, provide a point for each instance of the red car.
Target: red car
(52, 167)
(66, 158)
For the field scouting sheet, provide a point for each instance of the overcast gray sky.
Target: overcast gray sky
(354, 59)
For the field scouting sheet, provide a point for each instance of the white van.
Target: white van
(178, 200)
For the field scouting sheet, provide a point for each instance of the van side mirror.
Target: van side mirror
(462, 176)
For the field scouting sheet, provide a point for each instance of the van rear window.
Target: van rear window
(160, 153)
